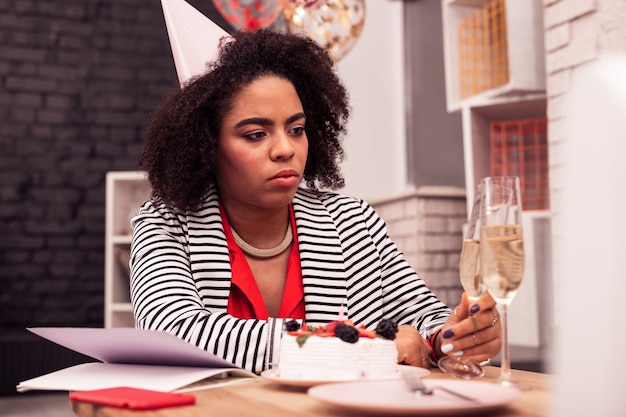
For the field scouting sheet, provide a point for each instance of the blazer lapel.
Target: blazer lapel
(208, 253)
(321, 259)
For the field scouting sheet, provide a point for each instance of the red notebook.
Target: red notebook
(132, 398)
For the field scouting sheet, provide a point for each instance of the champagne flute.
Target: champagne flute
(469, 270)
(502, 254)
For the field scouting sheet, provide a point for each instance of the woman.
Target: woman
(232, 245)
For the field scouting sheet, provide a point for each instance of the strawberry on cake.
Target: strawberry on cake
(337, 351)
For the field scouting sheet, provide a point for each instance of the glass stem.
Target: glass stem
(505, 367)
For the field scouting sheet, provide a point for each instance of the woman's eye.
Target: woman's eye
(255, 135)
(298, 130)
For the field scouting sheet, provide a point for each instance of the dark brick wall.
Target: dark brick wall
(77, 81)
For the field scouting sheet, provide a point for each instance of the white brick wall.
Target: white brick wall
(557, 37)
(571, 55)
(577, 32)
(565, 11)
(426, 224)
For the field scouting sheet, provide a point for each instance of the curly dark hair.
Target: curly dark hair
(182, 133)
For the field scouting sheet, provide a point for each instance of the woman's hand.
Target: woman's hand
(471, 330)
(412, 348)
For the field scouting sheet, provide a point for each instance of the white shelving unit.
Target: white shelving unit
(521, 97)
(125, 192)
(524, 39)
(476, 120)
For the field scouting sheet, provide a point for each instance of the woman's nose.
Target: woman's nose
(282, 148)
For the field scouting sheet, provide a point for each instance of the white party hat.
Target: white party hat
(194, 38)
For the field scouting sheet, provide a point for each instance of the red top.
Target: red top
(245, 300)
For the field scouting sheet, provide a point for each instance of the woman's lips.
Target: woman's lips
(286, 178)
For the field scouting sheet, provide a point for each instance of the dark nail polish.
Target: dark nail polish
(448, 334)
(474, 309)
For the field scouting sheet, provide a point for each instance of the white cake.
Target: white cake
(314, 354)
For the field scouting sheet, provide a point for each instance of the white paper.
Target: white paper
(130, 345)
(133, 358)
(98, 375)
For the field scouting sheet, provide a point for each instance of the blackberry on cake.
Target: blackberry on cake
(387, 328)
(347, 333)
(292, 326)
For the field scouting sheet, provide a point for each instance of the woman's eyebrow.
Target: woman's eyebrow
(267, 122)
(254, 121)
(299, 115)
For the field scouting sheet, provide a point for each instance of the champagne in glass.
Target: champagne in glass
(504, 261)
(502, 253)
(469, 266)
(469, 270)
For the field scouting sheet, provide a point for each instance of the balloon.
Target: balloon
(333, 24)
(250, 14)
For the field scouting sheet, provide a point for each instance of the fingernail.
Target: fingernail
(448, 334)
(474, 309)
(458, 353)
(447, 348)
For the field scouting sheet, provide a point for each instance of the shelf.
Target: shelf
(494, 71)
(522, 54)
(120, 239)
(476, 138)
(125, 192)
(119, 290)
(122, 307)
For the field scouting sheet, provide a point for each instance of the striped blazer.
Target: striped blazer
(180, 276)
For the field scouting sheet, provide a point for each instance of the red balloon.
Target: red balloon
(250, 14)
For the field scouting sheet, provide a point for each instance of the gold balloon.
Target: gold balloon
(334, 24)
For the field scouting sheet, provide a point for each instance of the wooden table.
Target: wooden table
(266, 399)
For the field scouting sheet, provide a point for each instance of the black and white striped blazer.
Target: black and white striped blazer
(180, 276)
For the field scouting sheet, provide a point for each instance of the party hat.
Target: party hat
(194, 38)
